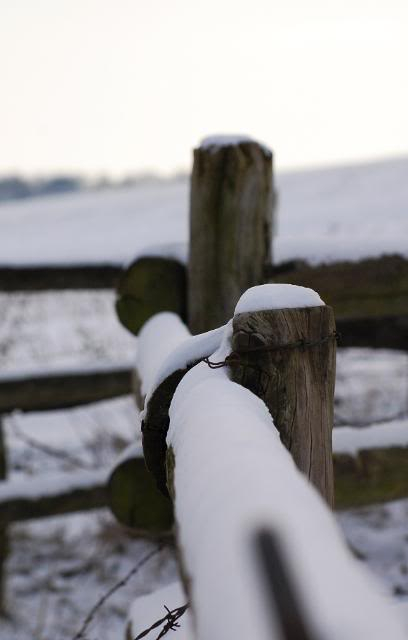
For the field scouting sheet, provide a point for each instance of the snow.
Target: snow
(51, 485)
(90, 436)
(112, 226)
(402, 609)
(60, 567)
(219, 141)
(147, 609)
(133, 450)
(371, 386)
(378, 534)
(190, 350)
(193, 348)
(351, 440)
(221, 503)
(324, 215)
(159, 336)
(45, 372)
(62, 330)
(277, 296)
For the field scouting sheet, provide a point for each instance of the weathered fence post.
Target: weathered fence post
(231, 209)
(3, 525)
(287, 357)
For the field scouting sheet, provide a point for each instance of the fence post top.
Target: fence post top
(215, 142)
(267, 297)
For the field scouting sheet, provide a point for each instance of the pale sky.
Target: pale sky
(120, 86)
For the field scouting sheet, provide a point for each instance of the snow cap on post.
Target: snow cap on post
(231, 140)
(277, 296)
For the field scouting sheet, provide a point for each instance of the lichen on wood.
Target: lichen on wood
(372, 475)
(134, 500)
(150, 285)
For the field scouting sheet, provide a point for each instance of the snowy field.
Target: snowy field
(71, 329)
(58, 568)
(323, 215)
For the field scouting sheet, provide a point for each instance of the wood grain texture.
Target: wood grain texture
(296, 384)
(231, 208)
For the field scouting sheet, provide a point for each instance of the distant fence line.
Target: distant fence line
(58, 277)
(48, 390)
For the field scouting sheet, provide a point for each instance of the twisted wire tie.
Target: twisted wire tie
(234, 358)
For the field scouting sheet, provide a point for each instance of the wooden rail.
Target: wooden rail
(57, 390)
(59, 277)
(51, 495)
(378, 320)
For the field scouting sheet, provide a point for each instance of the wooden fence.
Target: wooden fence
(62, 493)
(232, 203)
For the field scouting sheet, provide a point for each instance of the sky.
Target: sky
(127, 86)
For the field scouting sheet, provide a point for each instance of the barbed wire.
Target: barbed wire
(81, 633)
(169, 621)
(234, 358)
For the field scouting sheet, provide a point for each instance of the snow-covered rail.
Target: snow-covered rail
(369, 464)
(231, 477)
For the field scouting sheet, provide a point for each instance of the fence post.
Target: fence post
(3, 525)
(231, 207)
(287, 357)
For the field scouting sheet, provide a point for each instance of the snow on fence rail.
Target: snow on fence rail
(369, 463)
(210, 440)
